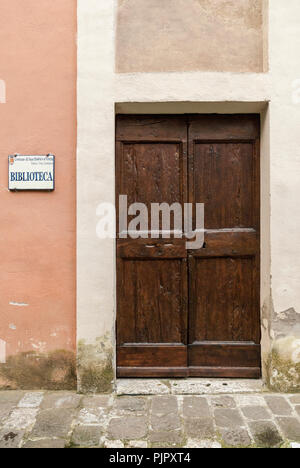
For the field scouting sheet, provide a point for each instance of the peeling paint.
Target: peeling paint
(286, 323)
(283, 361)
(39, 345)
(19, 304)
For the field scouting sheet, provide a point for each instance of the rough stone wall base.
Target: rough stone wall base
(33, 371)
(95, 366)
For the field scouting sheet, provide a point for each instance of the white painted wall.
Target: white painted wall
(285, 153)
(95, 167)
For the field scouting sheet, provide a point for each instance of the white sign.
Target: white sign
(2, 352)
(31, 172)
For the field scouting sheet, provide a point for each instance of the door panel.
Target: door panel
(224, 323)
(222, 182)
(234, 355)
(152, 291)
(223, 311)
(152, 273)
(158, 163)
(190, 313)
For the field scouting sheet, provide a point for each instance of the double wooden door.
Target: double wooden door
(190, 312)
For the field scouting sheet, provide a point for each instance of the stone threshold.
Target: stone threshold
(187, 386)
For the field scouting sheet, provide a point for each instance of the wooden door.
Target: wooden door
(197, 312)
(224, 313)
(152, 273)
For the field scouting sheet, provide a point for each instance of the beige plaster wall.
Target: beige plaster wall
(185, 35)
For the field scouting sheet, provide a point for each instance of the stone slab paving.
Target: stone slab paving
(169, 419)
(187, 386)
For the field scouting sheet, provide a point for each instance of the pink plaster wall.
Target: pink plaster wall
(37, 230)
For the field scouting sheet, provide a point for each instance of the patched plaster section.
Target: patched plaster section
(235, 11)
(284, 323)
(284, 359)
(186, 35)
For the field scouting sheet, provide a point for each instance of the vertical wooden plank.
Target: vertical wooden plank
(225, 275)
(152, 283)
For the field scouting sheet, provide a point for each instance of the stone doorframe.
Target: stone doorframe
(101, 94)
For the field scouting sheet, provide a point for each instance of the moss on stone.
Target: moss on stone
(95, 366)
(95, 379)
(269, 438)
(283, 374)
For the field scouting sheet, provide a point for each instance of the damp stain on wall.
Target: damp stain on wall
(95, 366)
(35, 371)
(284, 359)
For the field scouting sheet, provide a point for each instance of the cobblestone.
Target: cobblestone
(290, 428)
(196, 407)
(131, 404)
(236, 438)
(129, 428)
(228, 418)
(256, 413)
(279, 405)
(265, 434)
(87, 436)
(65, 419)
(45, 444)
(53, 423)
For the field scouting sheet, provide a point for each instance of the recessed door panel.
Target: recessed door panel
(152, 295)
(223, 181)
(224, 312)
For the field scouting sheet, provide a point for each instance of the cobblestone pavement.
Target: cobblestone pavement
(64, 419)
